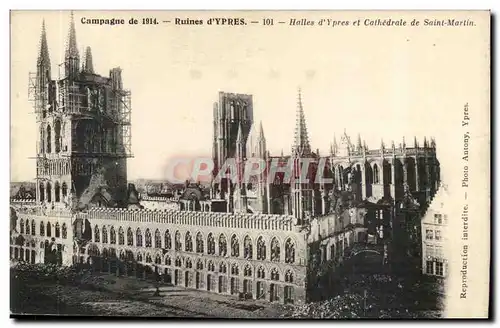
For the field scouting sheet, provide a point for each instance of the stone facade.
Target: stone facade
(434, 234)
(37, 231)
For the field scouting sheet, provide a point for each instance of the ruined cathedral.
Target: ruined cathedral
(278, 240)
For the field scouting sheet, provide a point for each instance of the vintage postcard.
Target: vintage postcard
(250, 164)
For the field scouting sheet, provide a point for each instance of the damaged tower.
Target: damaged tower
(83, 122)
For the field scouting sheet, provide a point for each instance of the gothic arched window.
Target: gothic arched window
(178, 244)
(168, 260)
(42, 229)
(139, 257)
(199, 265)
(138, 237)
(49, 139)
(247, 272)
(149, 241)
(130, 237)
(149, 259)
(158, 259)
(157, 239)
(188, 240)
(235, 246)
(42, 192)
(97, 235)
(375, 174)
(104, 235)
(189, 264)
(199, 243)
(248, 248)
(289, 276)
(178, 262)
(112, 235)
(58, 230)
(261, 273)
(275, 250)
(28, 226)
(222, 245)
(235, 270)
(210, 244)
(275, 274)
(57, 192)
(57, 135)
(49, 230)
(21, 226)
(64, 189)
(222, 267)
(64, 231)
(49, 192)
(168, 240)
(33, 227)
(42, 140)
(121, 236)
(211, 266)
(289, 251)
(261, 249)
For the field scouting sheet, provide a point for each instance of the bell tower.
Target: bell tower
(83, 122)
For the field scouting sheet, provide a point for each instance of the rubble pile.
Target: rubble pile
(341, 307)
(44, 272)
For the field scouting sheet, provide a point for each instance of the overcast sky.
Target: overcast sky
(379, 82)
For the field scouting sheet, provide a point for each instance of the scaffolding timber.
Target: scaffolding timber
(88, 97)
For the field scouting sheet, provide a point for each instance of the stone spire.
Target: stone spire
(43, 55)
(359, 145)
(261, 142)
(88, 66)
(72, 57)
(43, 61)
(261, 132)
(301, 141)
(335, 146)
(71, 47)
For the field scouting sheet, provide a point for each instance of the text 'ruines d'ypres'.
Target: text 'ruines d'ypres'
(465, 209)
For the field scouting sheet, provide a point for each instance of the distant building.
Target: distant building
(434, 226)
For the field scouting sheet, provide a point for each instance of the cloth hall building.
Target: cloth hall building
(260, 239)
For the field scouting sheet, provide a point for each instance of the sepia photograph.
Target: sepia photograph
(250, 164)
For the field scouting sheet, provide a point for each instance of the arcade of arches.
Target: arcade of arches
(261, 268)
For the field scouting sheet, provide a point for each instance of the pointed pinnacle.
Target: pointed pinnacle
(261, 132)
(43, 56)
(72, 49)
(359, 141)
(301, 142)
(88, 65)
